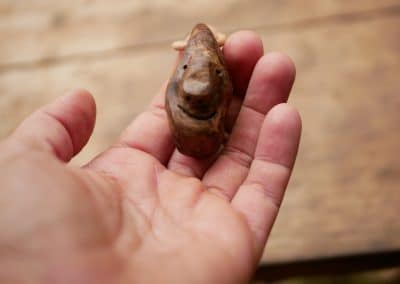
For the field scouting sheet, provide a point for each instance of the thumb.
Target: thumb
(62, 127)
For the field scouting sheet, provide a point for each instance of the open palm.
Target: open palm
(141, 212)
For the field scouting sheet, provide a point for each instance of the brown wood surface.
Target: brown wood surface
(37, 31)
(344, 196)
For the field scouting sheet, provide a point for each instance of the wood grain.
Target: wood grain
(40, 31)
(343, 197)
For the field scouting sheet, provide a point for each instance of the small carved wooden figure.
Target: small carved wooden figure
(198, 94)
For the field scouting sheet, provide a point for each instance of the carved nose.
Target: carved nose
(197, 92)
(199, 99)
(196, 86)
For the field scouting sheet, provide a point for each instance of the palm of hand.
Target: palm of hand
(179, 225)
(143, 212)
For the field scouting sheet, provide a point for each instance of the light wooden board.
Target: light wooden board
(343, 197)
(38, 31)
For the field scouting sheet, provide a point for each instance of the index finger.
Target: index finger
(149, 132)
(242, 50)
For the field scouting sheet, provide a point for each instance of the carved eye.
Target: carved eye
(218, 72)
(184, 66)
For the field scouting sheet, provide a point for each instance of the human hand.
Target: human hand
(141, 212)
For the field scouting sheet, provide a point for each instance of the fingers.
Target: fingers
(62, 127)
(270, 84)
(242, 50)
(260, 196)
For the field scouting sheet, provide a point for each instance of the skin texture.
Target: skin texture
(198, 96)
(141, 212)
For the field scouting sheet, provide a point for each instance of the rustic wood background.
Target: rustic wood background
(345, 193)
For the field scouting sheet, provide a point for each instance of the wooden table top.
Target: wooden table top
(344, 195)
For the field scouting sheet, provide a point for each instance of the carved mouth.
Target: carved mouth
(198, 117)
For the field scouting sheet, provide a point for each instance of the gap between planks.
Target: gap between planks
(344, 18)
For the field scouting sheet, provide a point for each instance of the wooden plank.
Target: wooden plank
(41, 30)
(330, 266)
(343, 197)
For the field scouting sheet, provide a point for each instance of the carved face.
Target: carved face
(198, 95)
